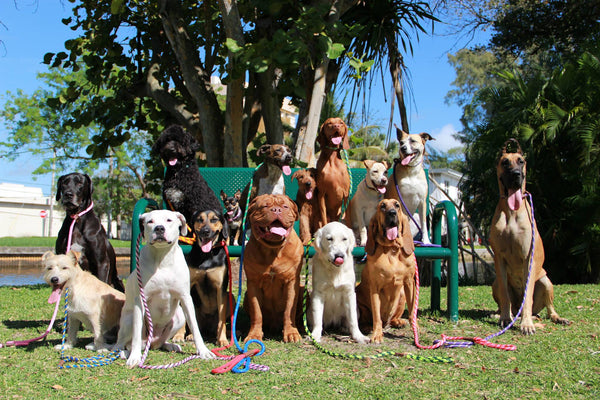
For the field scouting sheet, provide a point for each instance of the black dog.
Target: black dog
(184, 189)
(74, 191)
(207, 263)
(233, 215)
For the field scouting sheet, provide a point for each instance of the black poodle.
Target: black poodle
(184, 189)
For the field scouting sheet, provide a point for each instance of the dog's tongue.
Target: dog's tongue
(277, 230)
(286, 170)
(515, 198)
(172, 161)
(381, 189)
(309, 195)
(55, 295)
(392, 233)
(407, 159)
(336, 140)
(206, 246)
(230, 212)
(338, 261)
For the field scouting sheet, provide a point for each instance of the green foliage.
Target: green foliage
(556, 121)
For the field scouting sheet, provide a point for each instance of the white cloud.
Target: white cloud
(444, 140)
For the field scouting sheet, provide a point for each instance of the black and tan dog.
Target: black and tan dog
(233, 215)
(74, 191)
(510, 237)
(207, 263)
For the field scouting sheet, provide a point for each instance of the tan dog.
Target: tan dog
(411, 179)
(333, 180)
(388, 279)
(369, 193)
(305, 200)
(272, 263)
(91, 302)
(510, 238)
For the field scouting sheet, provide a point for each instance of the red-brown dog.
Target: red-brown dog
(305, 200)
(510, 238)
(333, 180)
(388, 279)
(272, 263)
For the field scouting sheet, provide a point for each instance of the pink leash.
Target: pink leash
(75, 218)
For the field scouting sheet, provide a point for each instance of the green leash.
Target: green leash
(431, 359)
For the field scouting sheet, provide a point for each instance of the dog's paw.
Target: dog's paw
(178, 338)
(254, 335)
(291, 335)
(134, 359)
(398, 323)
(66, 346)
(90, 346)
(527, 328)
(222, 342)
(362, 339)
(377, 336)
(562, 321)
(205, 353)
(189, 338)
(504, 322)
(172, 347)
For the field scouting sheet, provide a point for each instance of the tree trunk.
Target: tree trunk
(396, 64)
(306, 148)
(271, 104)
(234, 115)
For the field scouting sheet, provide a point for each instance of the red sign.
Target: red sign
(43, 213)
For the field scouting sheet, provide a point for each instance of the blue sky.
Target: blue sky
(30, 30)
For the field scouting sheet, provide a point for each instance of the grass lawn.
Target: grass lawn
(38, 241)
(560, 362)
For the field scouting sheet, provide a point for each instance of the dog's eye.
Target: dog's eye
(329, 239)
(214, 220)
(150, 221)
(169, 220)
(521, 161)
(65, 268)
(505, 162)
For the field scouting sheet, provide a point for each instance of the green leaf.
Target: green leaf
(48, 58)
(335, 50)
(117, 6)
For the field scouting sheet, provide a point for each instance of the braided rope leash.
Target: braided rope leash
(89, 362)
(458, 341)
(432, 359)
(347, 162)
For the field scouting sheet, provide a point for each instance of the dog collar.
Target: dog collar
(75, 217)
(380, 195)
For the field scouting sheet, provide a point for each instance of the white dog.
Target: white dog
(91, 302)
(369, 193)
(411, 179)
(166, 284)
(333, 300)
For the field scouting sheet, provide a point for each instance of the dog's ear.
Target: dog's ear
(47, 255)
(296, 174)
(223, 195)
(425, 137)
(89, 184)
(75, 256)
(351, 242)
(313, 172)
(294, 207)
(262, 150)
(321, 137)
(141, 222)
(59, 187)
(372, 232)
(408, 246)
(512, 146)
(237, 195)
(368, 163)
(183, 226)
(387, 166)
(399, 132)
(225, 229)
(317, 239)
(346, 139)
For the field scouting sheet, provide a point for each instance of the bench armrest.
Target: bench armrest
(140, 207)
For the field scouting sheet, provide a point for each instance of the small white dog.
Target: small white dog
(91, 302)
(411, 179)
(369, 193)
(166, 284)
(333, 300)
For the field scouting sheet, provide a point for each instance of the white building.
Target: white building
(25, 211)
(448, 180)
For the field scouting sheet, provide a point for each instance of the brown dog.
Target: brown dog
(333, 180)
(388, 279)
(272, 263)
(305, 200)
(510, 238)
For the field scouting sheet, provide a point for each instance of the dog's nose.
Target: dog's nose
(276, 209)
(159, 229)
(54, 279)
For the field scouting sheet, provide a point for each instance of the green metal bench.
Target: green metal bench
(231, 179)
